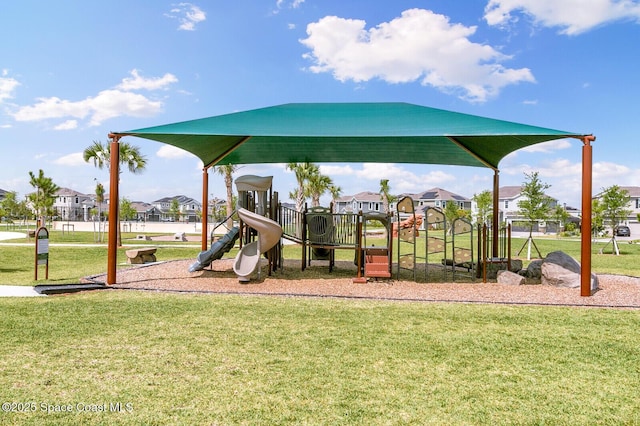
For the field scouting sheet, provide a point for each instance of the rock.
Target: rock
(533, 271)
(180, 236)
(516, 265)
(561, 270)
(509, 278)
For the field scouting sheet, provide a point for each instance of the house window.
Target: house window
(506, 204)
(76, 200)
(637, 203)
(437, 203)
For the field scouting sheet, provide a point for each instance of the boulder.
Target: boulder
(561, 270)
(533, 271)
(509, 278)
(516, 265)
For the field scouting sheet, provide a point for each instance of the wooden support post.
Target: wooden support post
(114, 200)
(585, 251)
(205, 208)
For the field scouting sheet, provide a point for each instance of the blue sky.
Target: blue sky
(72, 71)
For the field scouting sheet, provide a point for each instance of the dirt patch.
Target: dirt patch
(615, 291)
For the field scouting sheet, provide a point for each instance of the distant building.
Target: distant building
(362, 201)
(435, 197)
(70, 204)
(189, 209)
(509, 211)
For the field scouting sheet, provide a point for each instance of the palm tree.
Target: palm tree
(227, 171)
(316, 185)
(384, 194)
(99, 201)
(302, 171)
(130, 156)
(43, 198)
(335, 194)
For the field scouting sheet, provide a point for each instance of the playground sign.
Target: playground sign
(42, 250)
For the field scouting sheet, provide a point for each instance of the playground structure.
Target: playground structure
(454, 249)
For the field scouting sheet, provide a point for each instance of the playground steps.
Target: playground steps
(376, 264)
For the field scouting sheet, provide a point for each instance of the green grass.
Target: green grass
(181, 359)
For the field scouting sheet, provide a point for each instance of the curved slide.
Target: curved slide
(248, 258)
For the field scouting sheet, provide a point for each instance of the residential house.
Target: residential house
(435, 197)
(70, 204)
(146, 212)
(3, 194)
(189, 209)
(362, 201)
(509, 211)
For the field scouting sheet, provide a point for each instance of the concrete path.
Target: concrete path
(18, 291)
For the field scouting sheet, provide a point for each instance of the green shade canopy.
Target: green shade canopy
(349, 133)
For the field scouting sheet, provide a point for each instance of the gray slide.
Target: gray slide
(217, 250)
(248, 258)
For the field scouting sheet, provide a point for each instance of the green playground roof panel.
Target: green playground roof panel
(350, 133)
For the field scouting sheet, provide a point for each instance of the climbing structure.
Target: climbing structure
(436, 239)
(462, 261)
(406, 229)
(375, 259)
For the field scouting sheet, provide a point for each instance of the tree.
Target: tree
(335, 193)
(452, 212)
(615, 201)
(227, 171)
(44, 196)
(484, 204)
(316, 185)
(174, 209)
(99, 201)
(11, 208)
(302, 172)
(130, 156)
(597, 217)
(560, 216)
(534, 206)
(385, 195)
(127, 212)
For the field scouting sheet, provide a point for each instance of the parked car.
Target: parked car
(623, 231)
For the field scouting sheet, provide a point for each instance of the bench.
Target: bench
(141, 255)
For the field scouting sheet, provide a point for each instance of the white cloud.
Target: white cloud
(136, 82)
(294, 4)
(549, 146)
(419, 45)
(107, 104)
(74, 159)
(110, 103)
(188, 15)
(571, 16)
(67, 125)
(172, 152)
(7, 86)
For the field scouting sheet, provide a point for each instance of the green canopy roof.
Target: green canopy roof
(349, 133)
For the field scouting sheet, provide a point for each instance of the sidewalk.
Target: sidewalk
(18, 291)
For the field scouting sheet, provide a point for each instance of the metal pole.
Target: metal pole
(585, 251)
(112, 244)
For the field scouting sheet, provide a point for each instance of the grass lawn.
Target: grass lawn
(196, 359)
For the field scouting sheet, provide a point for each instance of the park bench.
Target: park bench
(141, 255)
